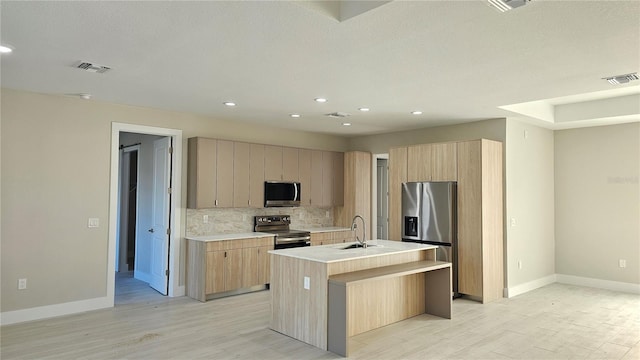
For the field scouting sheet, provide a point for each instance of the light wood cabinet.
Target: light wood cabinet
(444, 162)
(419, 162)
(357, 198)
(480, 219)
(223, 266)
(224, 173)
(210, 168)
(331, 237)
(338, 179)
(256, 176)
(397, 176)
(201, 189)
(316, 178)
(304, 167)
(241, 174)
(272, 163)
(290, 164)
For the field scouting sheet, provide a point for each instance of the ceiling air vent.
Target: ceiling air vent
(622, 79)
(90, 67)
(337, 114)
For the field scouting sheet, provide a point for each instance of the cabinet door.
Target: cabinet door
(272, 163)
(250, 267)
(256, 176)
(338, 179)
(214, 275)
(224, 173)
(419, 163)
(444, 162)
(470, 218)
(304, 167)
(290, 164)
(201, 186)
(233, 269)
(327, 178)
(241, 157)
(316, 178)
(264, 265)
(320, 239)
(397, 176)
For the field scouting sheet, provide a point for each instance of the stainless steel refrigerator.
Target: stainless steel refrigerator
(429, 217)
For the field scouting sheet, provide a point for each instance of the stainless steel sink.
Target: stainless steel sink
(358, 246)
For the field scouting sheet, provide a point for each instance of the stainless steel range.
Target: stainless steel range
(279, 226)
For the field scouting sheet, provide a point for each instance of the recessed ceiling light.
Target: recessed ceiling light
(506, 5)
(229, 103)
(295, 115)
(320, 100)
(346, 124)
(416, 112)
(5, 49)
(364, 109)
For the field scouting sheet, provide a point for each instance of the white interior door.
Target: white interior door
(160, 215)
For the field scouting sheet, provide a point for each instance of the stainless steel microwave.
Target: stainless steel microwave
(281, 193)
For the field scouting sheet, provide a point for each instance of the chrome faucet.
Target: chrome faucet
(354, 226)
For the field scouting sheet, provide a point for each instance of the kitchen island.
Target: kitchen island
(322, 295)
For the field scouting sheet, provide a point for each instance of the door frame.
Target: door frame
(374, 192)
(175, 289)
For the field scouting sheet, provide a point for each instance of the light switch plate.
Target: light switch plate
(22, 284)
(94, 222)
(307, 283)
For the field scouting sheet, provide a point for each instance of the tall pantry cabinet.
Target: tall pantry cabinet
(477, 167)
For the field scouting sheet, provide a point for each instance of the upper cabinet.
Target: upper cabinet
(232, 174)
(432, 162)
(272, 163)
(210, 169)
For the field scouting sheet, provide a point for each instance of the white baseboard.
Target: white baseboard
(599, 283)
(531, 285)
(49, 311)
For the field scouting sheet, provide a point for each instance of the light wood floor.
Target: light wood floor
(553, 322)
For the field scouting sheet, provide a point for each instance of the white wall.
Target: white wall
(597, 202)
(55, 175)
(530, 202)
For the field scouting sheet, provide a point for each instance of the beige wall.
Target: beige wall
(380, 144)
(597, 202)
(55, 175)
(529, 201)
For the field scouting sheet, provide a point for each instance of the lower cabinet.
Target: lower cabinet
(331, 237)
(226, 265)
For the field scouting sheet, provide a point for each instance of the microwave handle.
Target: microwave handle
(295, 194)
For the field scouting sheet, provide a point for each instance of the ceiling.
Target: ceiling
(456, 61)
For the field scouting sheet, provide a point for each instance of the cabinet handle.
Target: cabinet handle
(225, 254)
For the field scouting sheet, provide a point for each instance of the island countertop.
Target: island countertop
(337, 252)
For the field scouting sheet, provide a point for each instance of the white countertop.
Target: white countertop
(220, 237)
(322, 229)
(336, 252)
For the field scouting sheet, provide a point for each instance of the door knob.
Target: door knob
(150, 230)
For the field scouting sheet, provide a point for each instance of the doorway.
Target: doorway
(382, 202)
(144, 230)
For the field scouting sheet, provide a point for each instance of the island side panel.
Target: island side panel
(295, 311)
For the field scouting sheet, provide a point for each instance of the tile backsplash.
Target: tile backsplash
(240, 220)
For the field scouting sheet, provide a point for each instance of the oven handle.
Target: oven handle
(295, 239)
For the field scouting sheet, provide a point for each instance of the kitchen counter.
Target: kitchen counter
(219, 237)
(337, 252)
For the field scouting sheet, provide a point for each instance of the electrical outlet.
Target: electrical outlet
(307, 283)
(622, 263)
(513, 221)
(205, 219)
(22, 284)
(93, 223)
(520, 264)
(526, 134)
(327, 213)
